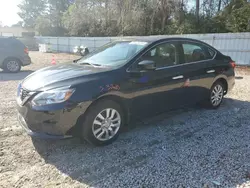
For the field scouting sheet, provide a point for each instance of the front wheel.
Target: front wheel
(102, 123)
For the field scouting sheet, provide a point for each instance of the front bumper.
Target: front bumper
(56, 124)
(23, 123)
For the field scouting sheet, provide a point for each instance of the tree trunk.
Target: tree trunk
(106, 13)
(152, 22)
(219, 6)
(163, 23)
(197, 10)
(181, 12)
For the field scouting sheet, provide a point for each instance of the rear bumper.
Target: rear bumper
(231, 83)
(26, 60)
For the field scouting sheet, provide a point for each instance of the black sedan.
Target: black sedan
(95, 96)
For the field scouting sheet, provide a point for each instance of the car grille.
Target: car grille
(24, 94)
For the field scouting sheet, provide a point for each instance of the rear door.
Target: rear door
(198, 62)
(157, 90)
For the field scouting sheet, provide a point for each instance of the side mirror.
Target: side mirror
(147, 65)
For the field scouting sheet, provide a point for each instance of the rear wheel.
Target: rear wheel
(12, 65)
(216, 95)
(102, 123)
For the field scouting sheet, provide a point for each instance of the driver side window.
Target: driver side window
(163, 55)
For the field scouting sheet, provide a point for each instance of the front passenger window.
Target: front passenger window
(163, 55)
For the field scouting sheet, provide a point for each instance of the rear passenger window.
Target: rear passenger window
(196, 52)
(211, 52)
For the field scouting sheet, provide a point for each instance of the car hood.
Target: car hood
(53, 74)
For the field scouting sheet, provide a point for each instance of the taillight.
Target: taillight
(26, 50)
(233, 64)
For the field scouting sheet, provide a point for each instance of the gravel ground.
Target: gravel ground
(187, 148)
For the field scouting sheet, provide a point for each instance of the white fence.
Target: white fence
(236, 45)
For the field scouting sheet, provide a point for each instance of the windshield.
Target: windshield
(114, 54)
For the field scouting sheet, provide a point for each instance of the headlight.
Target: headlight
(52, 96)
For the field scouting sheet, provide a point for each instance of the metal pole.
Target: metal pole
(213, 40)
(69, 44)
(57, 44)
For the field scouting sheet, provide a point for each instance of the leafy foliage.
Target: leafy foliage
(134, 17)
(31, 10)
(238, 16)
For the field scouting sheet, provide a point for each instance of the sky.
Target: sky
(8, 12)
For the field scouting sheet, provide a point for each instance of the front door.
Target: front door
(158, 90)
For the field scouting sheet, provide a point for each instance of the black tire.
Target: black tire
(6, 68)
(90, 117)
(209, 102)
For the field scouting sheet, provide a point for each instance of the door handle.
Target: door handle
(210, 71)
(178, 77)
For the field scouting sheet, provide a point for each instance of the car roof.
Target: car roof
(11, 40)
(6, 37)
(155, 39)
(152, 39)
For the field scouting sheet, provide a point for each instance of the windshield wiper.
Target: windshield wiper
(92, 64)
(98, 65)
(76, 60)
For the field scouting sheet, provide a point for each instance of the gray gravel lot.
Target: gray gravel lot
(187, 148)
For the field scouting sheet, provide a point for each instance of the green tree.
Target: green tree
(18, 24)
(238, 20)
(30, 10)
(43, 26)
(56, 11)
(235, 17)
(134, 17)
